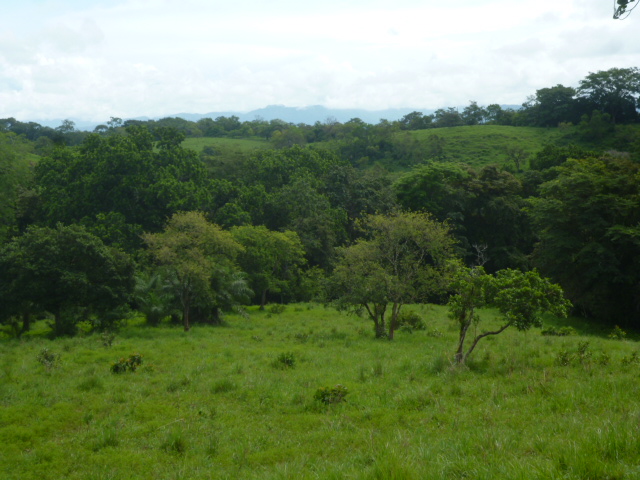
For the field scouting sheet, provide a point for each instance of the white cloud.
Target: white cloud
(156, 57)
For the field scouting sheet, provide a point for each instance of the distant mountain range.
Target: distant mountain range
(307, 115)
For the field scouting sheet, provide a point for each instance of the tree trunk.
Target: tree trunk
(263, 298)
(185, 317)
(463, 334)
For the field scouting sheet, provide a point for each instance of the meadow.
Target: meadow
(239, 401)
(484, 144)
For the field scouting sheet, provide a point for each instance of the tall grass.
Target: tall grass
(219, 403)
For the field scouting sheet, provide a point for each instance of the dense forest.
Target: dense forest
(142, 215)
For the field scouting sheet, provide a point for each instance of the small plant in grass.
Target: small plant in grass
(277, 308)
(583, 353)
(409, 321)
(559, 332)
(633, 359)
(107, 338)
(564, 358)
(48, 359)
(127, 365)
(285, 360)
(617, 333)
(331, 395)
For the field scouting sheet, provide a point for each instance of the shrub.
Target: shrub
(559, 332)
(331, 395)
(617, 333)
(107, 338)
(277, 308)
(127, 365)
(285, 360)
(48, 359)
(409, 320)
(633, 359)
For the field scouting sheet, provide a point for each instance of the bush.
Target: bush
(285, 360)
(617, 333)
(277, 308)
(331, 395)
(409, 320)
(48, 359)
(559, 332)
(127, 365)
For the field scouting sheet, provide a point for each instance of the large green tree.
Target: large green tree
(588, 223)
(615, 92)
(65, 271)
(271, 259)
(193, 251)
(133, 177)
(401, 259)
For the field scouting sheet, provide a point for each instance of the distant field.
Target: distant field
(243, 145)
(237, 402)
(483, 144)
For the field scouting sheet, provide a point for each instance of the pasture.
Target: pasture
(240, 401)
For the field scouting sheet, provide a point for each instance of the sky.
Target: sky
(97, 59)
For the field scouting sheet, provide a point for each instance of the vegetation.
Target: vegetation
(112, 238)
(213, 405)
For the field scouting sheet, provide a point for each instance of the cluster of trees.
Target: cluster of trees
(130, 217)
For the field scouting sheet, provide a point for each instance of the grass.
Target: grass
(238, 145)
(484, 144)
(238, 402)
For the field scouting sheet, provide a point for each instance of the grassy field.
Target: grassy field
(238, 402)
(482, 144)
(243, 145)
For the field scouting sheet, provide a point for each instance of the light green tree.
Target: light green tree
(192, 249)
(520, 298)
(401, 259)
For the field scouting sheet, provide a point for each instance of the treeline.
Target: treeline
(129, 218)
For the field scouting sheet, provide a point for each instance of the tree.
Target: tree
(128, 175)
(520, 298)
(192, 249)
(620, 12)
(587, 220)
(614, 92)
(63, 270)
(271, 259)
(402, 259)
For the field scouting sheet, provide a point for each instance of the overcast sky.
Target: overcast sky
(94, 59)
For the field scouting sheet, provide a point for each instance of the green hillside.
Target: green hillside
(482, 144)
(242, 145)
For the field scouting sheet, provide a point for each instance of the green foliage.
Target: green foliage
(402, 259)
(617, 333)
(520, 298)
(199, 258)
(331, 395)
(410, 320)
(285, 360)
(67, 272)
(587, 219)
(48, 359)
(130, 364)
(559, 332)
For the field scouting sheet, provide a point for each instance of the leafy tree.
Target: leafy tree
(553, 105)
(126, 175)
(474, 114)
(402, 259)
(614, 92)
(271, 259)
(587, 220)
(192, 250)
(520, 298)
(15, 173)
(482, 207)
(63, 271)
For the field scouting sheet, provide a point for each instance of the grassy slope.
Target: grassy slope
(240, 144)
(214, 404)
(482, 144)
